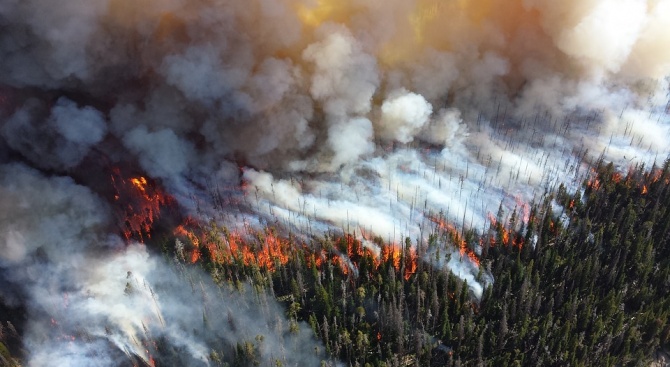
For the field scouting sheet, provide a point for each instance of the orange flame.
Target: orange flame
(524, 207)
(265, 253)
(593, 183)
(268, 251)
(492, 219)
(195, 256)
(457, 239)
(140, 203)
(505, 233)
(337, 260)
(140, 183)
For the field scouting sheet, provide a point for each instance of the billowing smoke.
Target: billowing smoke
(374, 117)
(92, 300)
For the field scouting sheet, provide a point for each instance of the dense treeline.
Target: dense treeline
(578, 279)
(594, 289)
(583, 281)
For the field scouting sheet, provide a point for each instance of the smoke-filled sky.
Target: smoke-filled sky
(321, 115)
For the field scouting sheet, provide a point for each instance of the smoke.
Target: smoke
(403, 116)
(59, 139)
(161, 153)
(94, 301)
(369, 117)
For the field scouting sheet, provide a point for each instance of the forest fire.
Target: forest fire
(503, 234)
(251, 143)
(140, 183)
(139, 204)
(593, 183)
(271, 252)
(267, 250)
(395, 255)
(635, 178)
(524, 209)
(456, 238)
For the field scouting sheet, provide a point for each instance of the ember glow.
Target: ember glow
(139, 205)
(293, 120)
(267, 250)
(457, 239)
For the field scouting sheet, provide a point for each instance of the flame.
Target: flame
(140, 183)
(267, 250)
(456, 239)
(392, 254)
(616, 177)
(633, 179)
(524, 208)
(593, 183)
(411, 264)
(656, 176)
(492, 219)
(139, 202)
(505, 236)
(195, 256)
(338, 260)
(507, 233)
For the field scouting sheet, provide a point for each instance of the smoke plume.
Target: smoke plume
(373, 117)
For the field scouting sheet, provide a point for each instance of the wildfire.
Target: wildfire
(457, 239)
(524, 208)
(492, 219)
(594, 184)
(140, 202)
(140, 183)
(395, 255)
(506, 233)
(616, 177)
(268, 251)
(656, 176)
(633, 179)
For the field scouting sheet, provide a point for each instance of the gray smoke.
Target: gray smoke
(372, 117)
(94, 301)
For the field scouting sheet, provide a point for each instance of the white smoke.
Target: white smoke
(345, 78)
(370, 117)
(403, 115)
(349, 140)
(87, 293)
